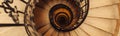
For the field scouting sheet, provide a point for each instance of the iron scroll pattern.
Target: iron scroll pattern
(13, 12)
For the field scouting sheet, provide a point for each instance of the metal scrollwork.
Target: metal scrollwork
(14, 13)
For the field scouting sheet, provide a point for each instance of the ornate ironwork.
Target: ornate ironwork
(14, 13)
(67, 19)
(73, 15)
(64, 15)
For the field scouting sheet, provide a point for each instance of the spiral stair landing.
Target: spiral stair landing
(103, 20)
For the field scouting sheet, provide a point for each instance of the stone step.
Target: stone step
(98, 3)
(105, 12)
(93, 31)
(103, 24)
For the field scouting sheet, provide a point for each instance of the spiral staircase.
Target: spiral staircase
(103, 19)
